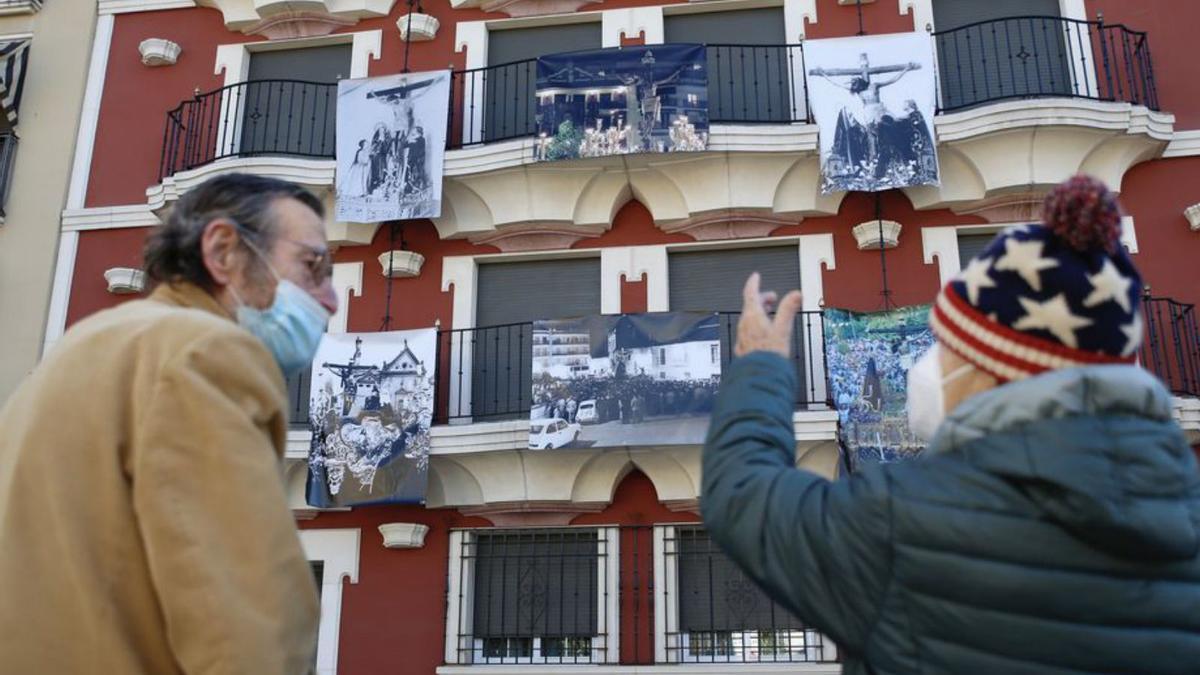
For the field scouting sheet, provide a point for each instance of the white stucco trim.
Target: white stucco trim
(339, 550)
(85, 139)
(108, 218)
(921, 10)
(816, 256)
(1185, 143)
(942, 243)
(794, 14)
(631, 23)
(1072, 9)
(60, 294)
(632, 262)
(110, 7)
(347, 281)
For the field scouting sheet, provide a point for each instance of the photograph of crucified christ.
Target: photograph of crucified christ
(874, 133)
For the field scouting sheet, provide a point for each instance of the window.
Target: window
(717, 614)
(509, 84)
(533, 596)
(289, 101)
(1020, 49)
(510, 296)
(971, 245)
(711, 280)
(660, 356)
(750, 81)
(716, 353)
(8, 156)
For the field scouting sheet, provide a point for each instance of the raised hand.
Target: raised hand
(759, 332)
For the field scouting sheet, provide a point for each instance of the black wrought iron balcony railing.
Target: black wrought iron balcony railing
(747, 84)
(485, 374)
(1013, 58)
(1171, 349)
(248, 119)
(1043, 56)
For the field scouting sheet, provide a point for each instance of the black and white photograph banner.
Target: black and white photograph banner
(622, 101)
(632, 379)
(370, 411)
(873, 98)
(391, 145)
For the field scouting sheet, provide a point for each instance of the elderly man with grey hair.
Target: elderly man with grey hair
(143, 522)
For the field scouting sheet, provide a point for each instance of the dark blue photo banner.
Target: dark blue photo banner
(622, 101)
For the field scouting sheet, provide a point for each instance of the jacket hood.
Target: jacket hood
(1096, 449)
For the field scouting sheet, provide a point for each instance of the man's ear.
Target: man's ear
(219, 246)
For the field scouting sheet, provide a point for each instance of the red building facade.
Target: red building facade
(401, 599)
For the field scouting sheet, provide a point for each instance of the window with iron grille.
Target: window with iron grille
(716, 614)
(532, 596)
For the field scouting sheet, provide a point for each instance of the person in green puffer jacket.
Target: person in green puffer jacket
(1052, 526)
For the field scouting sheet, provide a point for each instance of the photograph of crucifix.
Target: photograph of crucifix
(622, 101)
(391, 138)
(873, 98)
(370, 409)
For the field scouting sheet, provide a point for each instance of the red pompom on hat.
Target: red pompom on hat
(1084, 213)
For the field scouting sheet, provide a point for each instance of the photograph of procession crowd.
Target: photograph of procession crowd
(612, 381)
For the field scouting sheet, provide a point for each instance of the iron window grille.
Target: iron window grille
(533, 596)
(708, 611)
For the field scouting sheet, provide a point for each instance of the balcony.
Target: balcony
(483, 374)
(983, 63)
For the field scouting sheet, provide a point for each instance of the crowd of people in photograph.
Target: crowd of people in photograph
(630, 400)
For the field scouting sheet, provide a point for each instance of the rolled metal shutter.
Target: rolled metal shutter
(971, 245)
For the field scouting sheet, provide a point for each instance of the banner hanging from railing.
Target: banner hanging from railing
(632, 379)
(868, 356)
(622, 101)
(874, 98)
(391, 145)
(370, 410)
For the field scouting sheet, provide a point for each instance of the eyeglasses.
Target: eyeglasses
(318, 260)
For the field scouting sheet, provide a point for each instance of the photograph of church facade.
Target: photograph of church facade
(533, 561)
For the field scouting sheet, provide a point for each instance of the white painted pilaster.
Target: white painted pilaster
(921, 10)
(85, 140)
(632, 263)
(1129, 235)
(632, 22)
(461, 274)
(60, 295)
(472, 37)
(347, 282)
(367, 46)
(794, 14)
(338, 549)
(941, 243)
(816, 256)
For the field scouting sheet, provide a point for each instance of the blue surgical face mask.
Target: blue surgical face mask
(291, 328)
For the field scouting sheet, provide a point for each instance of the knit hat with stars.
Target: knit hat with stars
(1061, 294)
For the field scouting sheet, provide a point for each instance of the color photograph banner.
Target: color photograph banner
(622, 101)
(868, 356)
(873, 98)
(370, 411)
(633, 379)
(391, 144)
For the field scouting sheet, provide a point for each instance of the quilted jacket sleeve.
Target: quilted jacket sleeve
(819, 548)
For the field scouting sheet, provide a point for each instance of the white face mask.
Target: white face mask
(926, 400)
